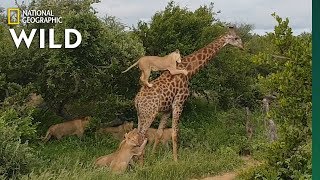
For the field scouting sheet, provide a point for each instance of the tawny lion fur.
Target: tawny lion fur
(73, 127)
(164, 138)
(119, 131)
(155, 63)
(119, 160)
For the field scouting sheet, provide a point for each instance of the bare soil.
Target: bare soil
(249, 162)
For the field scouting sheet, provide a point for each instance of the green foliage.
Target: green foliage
(17, 129)
(16, 157)
(282, 36)
(290, 78)
(23, 124)
(230, 78)
(212, 130)
(88, 81)
(178, 28)
(73, 158)
(44, 119)
(72, 74)
(291, 155)
(287, 158)
(89, 74)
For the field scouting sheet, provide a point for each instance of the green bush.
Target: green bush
(229, 78)
(68, 77)
(287, 158)
(210, 130)
(16, 156)
(290, 78)
(291, 155)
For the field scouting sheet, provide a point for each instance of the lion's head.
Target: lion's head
(176, 56)
(132, 137)
(85, 121)
(127, 126)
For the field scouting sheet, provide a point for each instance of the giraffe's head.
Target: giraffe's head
(233, 39)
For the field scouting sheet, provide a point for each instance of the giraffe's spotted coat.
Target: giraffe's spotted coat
(169, 92)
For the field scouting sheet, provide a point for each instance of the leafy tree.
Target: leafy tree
(16, 156)
(17, 130)
(72, 74)
(290, 78)
(229, 78)
(67, 78)
(178, 28)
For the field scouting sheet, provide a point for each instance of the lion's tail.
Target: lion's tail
(133, 65)
(48, 136)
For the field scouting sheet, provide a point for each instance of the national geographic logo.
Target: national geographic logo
(13, 16)
(31, 16)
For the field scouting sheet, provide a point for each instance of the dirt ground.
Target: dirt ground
(249, 162)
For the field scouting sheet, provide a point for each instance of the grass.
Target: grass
(209, 145)
(73, 159)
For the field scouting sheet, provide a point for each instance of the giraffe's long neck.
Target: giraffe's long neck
(197, 60)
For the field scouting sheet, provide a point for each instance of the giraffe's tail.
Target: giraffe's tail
(133, 65)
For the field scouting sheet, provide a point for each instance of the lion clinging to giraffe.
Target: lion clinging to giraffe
(169, 92)
(154, 63)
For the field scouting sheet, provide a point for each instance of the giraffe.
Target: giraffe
(169, 92)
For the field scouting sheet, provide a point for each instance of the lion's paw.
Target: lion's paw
(185, 72)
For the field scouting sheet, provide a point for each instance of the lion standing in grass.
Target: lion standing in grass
(155, 63)
(119, 160)
(73, 127)
(164, 138)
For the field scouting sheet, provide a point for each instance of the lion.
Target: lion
(164, 139)
(119, 160)
(73, 127)
(119, 131)
(34, 100)
(156, 63)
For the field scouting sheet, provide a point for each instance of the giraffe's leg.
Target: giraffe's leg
(175, 71)
(162, 125)
(145, 121)
(177, 109)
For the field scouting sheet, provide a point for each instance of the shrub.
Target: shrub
(288, 158)
(16, 156)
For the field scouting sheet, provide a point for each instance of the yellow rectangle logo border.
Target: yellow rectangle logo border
(9, 17)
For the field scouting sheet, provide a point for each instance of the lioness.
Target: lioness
(34, 100)
(155, 63)
(164, 139)
(73, 127)
(119, 131)
(119, 160)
